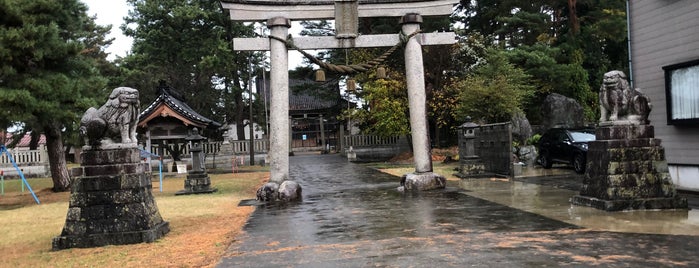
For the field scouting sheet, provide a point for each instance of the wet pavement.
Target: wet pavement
(352, 216)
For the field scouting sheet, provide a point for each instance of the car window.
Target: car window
(562, 136)
(582, 136)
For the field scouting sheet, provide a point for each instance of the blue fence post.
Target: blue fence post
(146, 154)
(160, 169)
(21, 174)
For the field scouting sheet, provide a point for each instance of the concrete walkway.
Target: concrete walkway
(352, 216)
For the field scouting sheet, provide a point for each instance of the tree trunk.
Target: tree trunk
(573, 16)
(437, 136)
(239, 113)
(57, 159)
(34, 141)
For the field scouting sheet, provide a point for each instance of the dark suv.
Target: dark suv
(565, 146)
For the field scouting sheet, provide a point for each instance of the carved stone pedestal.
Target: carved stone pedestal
(197, 183)
(626, 169)
(472, 168)
(111, 202)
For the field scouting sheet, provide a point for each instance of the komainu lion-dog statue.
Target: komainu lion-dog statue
(113, 123)
(620, 103)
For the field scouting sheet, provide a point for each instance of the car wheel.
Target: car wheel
(545, 160)
(579, 163)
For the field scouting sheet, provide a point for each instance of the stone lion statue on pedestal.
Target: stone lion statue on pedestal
(620, 103)
(113, 123)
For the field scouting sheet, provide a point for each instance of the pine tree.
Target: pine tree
(189, 45)
(49, 73)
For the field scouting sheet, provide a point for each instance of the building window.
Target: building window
(682, 92)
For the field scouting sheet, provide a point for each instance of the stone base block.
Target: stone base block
(472, 168)
(626, 170)
(423, 181)
(103, 239)
(111, 202)
(197, 183)
(287, 191)
(631, 204)
(268, 192)
(197, 191)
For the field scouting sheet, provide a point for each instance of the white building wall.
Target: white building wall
(665, 33)
(232, 134)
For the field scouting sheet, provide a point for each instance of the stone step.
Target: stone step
(630, 180)
(624, 143)
(108, 157)
(625, 132)
(109, 169)
(112, 182)
(652, 153)
(628, 167)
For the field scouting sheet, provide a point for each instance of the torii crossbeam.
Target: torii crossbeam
(278, 15)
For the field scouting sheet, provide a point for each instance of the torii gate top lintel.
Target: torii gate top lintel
(345, 13)
(262, 10)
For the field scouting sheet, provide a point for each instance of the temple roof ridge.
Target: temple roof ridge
(175, 102)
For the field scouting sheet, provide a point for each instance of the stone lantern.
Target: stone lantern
(198, 181)
(195, 140)
(470, 164)
(467, 136)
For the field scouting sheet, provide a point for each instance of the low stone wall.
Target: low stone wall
(494, 146)
(28, 171)
(372, 148)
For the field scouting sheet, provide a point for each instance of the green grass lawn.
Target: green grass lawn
(202, 226)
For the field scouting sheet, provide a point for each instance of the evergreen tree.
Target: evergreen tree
(495, 91)
(189, 45)
(566, 46)
(49, 74)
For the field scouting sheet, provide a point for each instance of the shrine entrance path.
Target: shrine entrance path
(352, 216)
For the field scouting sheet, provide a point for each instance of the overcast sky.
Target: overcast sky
(113, 12)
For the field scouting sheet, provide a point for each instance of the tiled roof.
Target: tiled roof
(178, 105)
(307, 95)
(24, 142)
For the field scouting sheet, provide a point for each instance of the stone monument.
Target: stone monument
(626, 166)
(198, 181)
(470, 164)
(111, 202)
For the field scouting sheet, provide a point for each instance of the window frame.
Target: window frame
(668, 92)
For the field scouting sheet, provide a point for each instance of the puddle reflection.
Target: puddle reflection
(552, 200)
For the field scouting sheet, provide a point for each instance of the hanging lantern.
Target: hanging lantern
(381, 73)
(351, 85)
(320, 75)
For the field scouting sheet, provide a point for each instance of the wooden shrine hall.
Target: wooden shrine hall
(168, 120)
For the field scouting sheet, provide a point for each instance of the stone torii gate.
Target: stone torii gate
(278, 15)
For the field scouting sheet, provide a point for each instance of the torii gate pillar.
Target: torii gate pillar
(423, 178)
(279, 90)
(415, 80)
